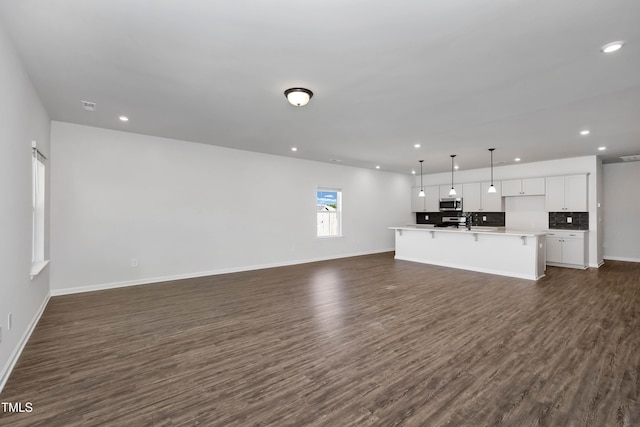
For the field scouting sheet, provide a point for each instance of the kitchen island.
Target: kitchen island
(488, 250)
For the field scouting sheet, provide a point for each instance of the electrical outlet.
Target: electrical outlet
(484, 218)
(134, 262)
(426, 217)
(9, 321)
(569, 220)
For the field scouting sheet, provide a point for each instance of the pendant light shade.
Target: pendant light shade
(421, 193)
(452, 192)
(298, 96)
(492, 189)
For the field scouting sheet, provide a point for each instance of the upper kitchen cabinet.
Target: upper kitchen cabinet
(444, 191)
(567, 193)
(432, 199)
(429, 203)
(478, 199)
(417, 203)
(523, 187)
(492, 202)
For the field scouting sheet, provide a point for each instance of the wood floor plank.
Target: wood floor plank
(352, 342)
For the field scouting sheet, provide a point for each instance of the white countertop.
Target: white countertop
(474, 230)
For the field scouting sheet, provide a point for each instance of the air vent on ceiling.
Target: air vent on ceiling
(634, 158)
(88, 105)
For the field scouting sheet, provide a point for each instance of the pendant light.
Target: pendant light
(452, 192)
(492, 189)
(421, 193)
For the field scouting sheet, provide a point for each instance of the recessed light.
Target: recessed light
(377, 166)
(602, 148)
(585, 132)
(612, 47)
(517, 159)
(124, 118)
(456, 167)
(294, 148)
(413, 171)
(416, 145)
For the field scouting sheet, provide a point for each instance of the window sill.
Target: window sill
(37, 267)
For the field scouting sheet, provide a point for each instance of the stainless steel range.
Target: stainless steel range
(453, 221)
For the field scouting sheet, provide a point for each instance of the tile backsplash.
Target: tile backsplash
(569, 220)
(430, 217)
(489, 219)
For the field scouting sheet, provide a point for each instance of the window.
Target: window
(329, 212)
(38, 192)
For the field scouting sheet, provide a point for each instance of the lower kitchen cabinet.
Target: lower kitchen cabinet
(567, 248)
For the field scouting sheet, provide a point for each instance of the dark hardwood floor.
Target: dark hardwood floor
(351, 342)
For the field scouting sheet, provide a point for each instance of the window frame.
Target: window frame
(38, 208)
(337, 214)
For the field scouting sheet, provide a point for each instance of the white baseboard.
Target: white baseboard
(13, 359)
(150, 280)
(618, 258)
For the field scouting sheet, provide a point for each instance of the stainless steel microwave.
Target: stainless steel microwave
(451, 204)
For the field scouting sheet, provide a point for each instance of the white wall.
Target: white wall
(184, 209)
(529, 212)
(621, 211)
(23, 119)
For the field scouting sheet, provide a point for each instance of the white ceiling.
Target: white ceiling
(456, 76)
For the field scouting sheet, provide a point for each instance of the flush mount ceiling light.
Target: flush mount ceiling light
(612, 47)
(298, 96)
(452, 192)
(602, 148)
(421, 193)
(416, 145)
(492, 189)
(585, 132)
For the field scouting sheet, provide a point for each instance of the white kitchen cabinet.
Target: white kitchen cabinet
(429, 203)
(472, 198)
(567, 248)
(523, 187)
(444, 191)
(417, 203)
(432, 199)
(566, 193)
(492, 202)
(478, 199)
